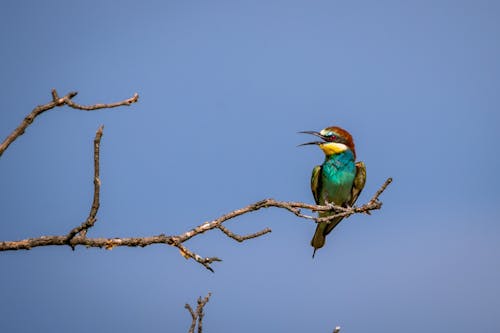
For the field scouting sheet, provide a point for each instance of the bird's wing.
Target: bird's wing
(324, 229)
(316, 183)
(359, 182)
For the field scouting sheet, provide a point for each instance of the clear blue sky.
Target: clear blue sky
(225, 86)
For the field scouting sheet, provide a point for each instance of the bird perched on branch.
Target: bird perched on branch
(339, 180)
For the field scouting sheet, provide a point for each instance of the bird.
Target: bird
(339, 180)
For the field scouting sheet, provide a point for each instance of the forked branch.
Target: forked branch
(59, 101)
(197, 315)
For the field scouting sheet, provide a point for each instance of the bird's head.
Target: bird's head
(335, 140)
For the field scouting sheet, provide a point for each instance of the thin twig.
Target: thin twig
(239, 238)
(186, 253)
(91, 219)
(57, 101)
(380, 190)
(193, 318)
(98, 106)
(201, 314)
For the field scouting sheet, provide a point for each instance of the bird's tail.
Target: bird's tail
(322, 230)
(318, 239)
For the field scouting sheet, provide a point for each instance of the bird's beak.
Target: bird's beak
(310, 143)
(313, 142)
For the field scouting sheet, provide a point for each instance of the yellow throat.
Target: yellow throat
(332, 148)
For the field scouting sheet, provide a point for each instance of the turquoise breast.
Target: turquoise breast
(337, 178)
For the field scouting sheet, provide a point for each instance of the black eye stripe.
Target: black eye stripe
(336, 138)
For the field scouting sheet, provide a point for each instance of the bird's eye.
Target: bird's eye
(330, 136)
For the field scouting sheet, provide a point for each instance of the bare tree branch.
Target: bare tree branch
(57, 101)
(78, 235)
(197, 316)
(193, 318)
(91, 219)
(176, 241)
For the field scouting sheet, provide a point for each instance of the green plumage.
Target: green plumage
(339, 180)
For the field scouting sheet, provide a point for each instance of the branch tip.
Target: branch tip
(55, 96)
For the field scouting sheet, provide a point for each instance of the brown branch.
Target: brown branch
(177, 241)
(57, 101)
(380, 190)
(106, 243)
(186, 253)
(197, 316)
(193, 318)
(91, 219)
(98, 106)
(239, 238)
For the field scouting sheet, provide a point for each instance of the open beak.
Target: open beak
(313, 142)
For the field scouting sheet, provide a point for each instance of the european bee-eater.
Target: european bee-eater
(339, 180)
